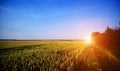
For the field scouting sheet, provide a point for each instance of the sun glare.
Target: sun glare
(88, 40)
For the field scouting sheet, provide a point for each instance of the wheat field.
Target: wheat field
(55, 56)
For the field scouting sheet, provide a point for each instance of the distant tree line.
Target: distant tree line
(109, 39)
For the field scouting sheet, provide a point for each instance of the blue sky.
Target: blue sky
(56, 19)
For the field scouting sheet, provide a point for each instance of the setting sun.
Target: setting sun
(88, 40)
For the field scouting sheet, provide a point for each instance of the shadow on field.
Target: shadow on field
(21, 48)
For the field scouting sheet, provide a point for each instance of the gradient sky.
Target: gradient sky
(56, 19)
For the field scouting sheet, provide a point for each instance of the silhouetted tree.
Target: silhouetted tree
(95, 35)
(109, 39)
(108, 30)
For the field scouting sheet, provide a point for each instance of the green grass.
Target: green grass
(51, 56)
